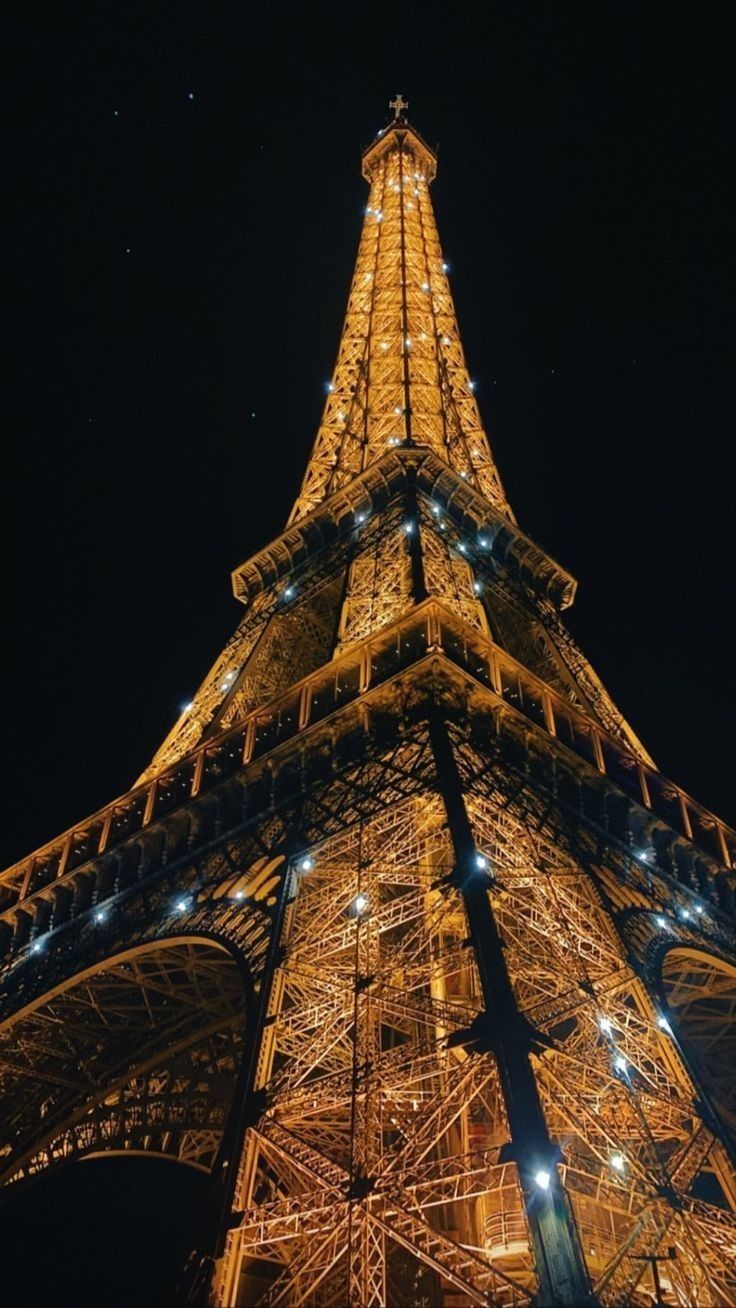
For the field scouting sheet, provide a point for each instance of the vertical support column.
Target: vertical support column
(643, 786)
(105, 833)
(723, 847)
(405, 347)
(434, 630)
(150, 802)
(418, 581)
(563, 1277)
(305, 705)
(687, 825)
(549, 713)
(495, 669)
(197, 775)
(365, 669)
(200, 1271)
(366, 1253)
(66, 851)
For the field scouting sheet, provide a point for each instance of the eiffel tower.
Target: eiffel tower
(401, 938)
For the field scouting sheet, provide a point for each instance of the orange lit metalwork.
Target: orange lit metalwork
(401, 937)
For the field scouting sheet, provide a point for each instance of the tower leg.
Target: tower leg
(563, 1277)
(211, 1274)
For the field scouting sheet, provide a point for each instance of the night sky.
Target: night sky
(185, 206)
(187, 201)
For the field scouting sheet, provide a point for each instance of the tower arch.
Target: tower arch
(138, 1052)
(698, 986)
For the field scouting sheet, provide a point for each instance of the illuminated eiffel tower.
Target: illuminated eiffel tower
(402, 937)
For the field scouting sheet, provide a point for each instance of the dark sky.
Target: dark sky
(185, 205)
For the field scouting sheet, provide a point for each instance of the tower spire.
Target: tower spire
(400, 376)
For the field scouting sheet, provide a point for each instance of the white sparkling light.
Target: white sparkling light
(605, 1024)
(481, 861)
(306, 864)
(662, 1023)
(620, 1063)
(181, 906)
(542, 1179)
(661, 922)
(100, 915)
(360, 904)
(617, 1162)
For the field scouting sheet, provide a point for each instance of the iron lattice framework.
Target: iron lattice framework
(401, 938)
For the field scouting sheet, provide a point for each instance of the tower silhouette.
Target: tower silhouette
(401, 937)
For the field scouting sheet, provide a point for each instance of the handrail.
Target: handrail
(430, 625)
